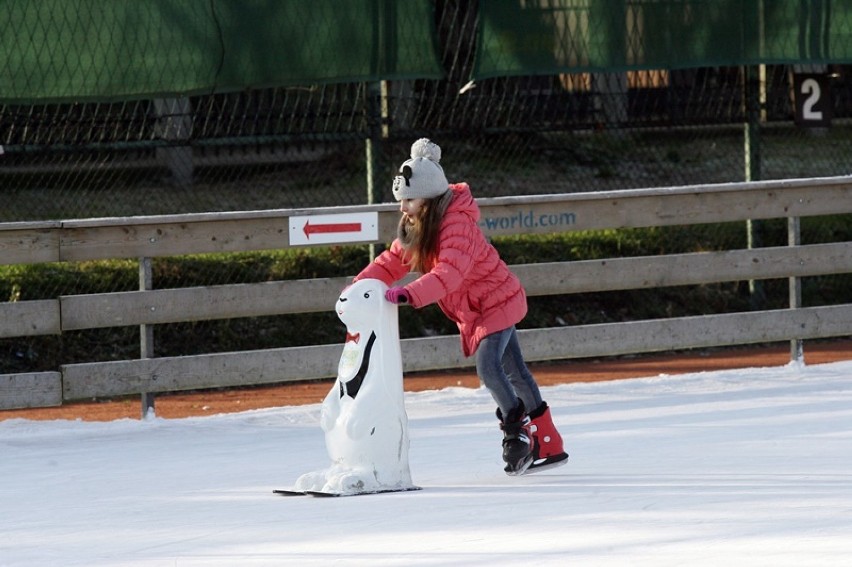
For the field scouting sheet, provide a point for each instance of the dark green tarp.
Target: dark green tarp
(120, 49)
(534, 37)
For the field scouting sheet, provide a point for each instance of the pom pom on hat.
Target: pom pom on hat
(425, 148)
(422, 175)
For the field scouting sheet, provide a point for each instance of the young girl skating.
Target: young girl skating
(439, 237)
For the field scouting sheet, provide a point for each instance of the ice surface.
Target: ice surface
(748, 467)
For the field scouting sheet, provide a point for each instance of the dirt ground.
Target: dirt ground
(547, 374)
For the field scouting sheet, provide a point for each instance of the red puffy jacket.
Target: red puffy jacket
(470, 282)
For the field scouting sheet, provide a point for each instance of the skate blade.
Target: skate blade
(548, 463)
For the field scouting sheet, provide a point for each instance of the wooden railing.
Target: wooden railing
(157, 236)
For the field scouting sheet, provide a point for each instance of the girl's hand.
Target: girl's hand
(397, 295)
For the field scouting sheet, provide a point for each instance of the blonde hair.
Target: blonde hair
(419, 235)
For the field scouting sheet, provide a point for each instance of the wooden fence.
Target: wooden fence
(156, 236)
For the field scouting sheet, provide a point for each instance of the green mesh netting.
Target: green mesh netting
(552, 36)
(87, 49)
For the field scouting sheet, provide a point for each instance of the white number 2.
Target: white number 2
(811, 88)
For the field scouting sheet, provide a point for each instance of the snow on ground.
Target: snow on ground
(749, 467)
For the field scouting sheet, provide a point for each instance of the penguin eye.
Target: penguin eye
(366, 295)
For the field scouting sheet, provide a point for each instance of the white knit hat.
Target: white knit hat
(422, 176)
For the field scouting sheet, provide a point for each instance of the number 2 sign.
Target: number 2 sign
(812, 93)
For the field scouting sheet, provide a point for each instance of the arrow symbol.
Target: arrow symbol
(331, 228)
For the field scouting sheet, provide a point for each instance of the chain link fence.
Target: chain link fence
(339, 143)
(306, 146)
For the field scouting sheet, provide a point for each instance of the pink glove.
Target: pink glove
(397, 295)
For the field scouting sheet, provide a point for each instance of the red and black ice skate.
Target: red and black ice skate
(548, 451)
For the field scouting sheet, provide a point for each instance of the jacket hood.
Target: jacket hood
(463, 202)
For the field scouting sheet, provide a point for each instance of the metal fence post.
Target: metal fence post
(794, 238)
(377, 111)
(751, 138)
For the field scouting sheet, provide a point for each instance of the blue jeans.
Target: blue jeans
(501, 368)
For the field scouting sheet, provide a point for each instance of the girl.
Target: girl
(438, 236)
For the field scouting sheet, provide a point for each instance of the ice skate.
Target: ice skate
(517, 440)
(548, 450)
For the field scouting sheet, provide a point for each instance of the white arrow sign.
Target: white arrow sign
(332, 229)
